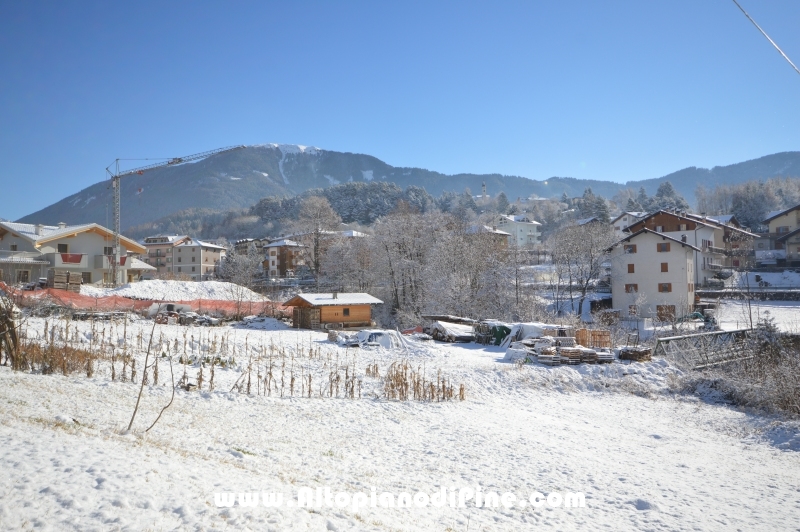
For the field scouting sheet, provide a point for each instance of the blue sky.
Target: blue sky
(615, 90)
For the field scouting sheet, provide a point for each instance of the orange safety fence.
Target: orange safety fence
(72, 300)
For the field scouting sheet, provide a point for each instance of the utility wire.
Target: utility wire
(767, 36)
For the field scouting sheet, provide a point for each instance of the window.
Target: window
(192, 259)
(664, 267)
(665, 287)
(108, 250)
(691, 287)
(659, 229)
(631, 288)
(63, 248)
(272, 252)
(169, 259)
(681, 227)
(630, 268)
(13, 247)
(662, 247)
(23, 276)
(760, 245)
(179, 259)
(179, 268)
(86, 277)
(783, 229)
(192, 268)
(630, 248)
(665, 312)
(345, 312)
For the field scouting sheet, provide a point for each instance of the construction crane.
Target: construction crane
(115, 177)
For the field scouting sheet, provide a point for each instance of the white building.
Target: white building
(652, 275)
(624, 220)
(197, 259)
(523, 231)
(27, 251)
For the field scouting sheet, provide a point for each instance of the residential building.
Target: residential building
(782, 240)
(160, 252)
(28, 251)
(332, 310)
(282, 258)
(624, 220)
(523, 231)
(197, 259)
(653, 275)
(720, 246)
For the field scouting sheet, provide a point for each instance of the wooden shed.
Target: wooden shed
(332, 310)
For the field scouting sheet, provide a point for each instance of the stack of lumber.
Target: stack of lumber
(588, 356)
(64, 280)
(637, 354)
(605, 357)
(570, 355)
(549, 357)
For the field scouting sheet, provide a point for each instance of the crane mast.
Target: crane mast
(116, 177)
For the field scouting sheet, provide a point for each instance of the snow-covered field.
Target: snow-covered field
(177, 291)
(733, 314)
(643, 457)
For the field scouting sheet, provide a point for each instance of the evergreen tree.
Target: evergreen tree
(502, 203)
(668, 198)
(643, 199)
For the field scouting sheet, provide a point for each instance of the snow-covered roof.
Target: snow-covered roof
(519, 218)
(774, 214)
(634, 214)
(169, 238)
(342, 298)
(199, 243)
(474, 229)
(49, 233)
(136, 264)
(281, 243)
(584, 221)
(353, 234)
(721, 218)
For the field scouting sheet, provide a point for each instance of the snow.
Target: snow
(177, 291)
(331, 180)
(644, 457)
(235, 178)
(367, 175)
(733, 314)
(747, 280)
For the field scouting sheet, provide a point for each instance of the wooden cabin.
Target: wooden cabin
(332, 310)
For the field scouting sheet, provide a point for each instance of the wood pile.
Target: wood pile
(64, 280)
(593, 338)
(636, 354)
(605, 357)
(570, 355)
(549, 357)
(588, 356)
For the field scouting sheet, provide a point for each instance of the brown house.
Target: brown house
(332, 310)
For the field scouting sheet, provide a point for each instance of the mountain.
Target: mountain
(238, 179)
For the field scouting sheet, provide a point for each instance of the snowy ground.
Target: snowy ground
(644, 458)
(747, 280)
(177, 291)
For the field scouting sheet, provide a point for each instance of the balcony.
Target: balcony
(103, 262)
(715, 250)
(69, 261)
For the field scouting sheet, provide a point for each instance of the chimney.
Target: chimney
(38, 229)
(335, 295)
(62, 225)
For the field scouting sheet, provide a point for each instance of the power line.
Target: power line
(767, 36)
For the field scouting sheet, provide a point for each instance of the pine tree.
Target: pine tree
(502, 203)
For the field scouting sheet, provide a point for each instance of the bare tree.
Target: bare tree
(578, 256)
(313, 229)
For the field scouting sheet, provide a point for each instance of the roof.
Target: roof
(684, 216)
(715, 221)
(584, 221)
(48, 233)
(193, 242)
(474, 229)
(321, 300)
(635, 214)
(519, 218)
(662, 235)
(170, 238)
(774, 214)
(136, 264)
(281, 243)
(722, 218)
